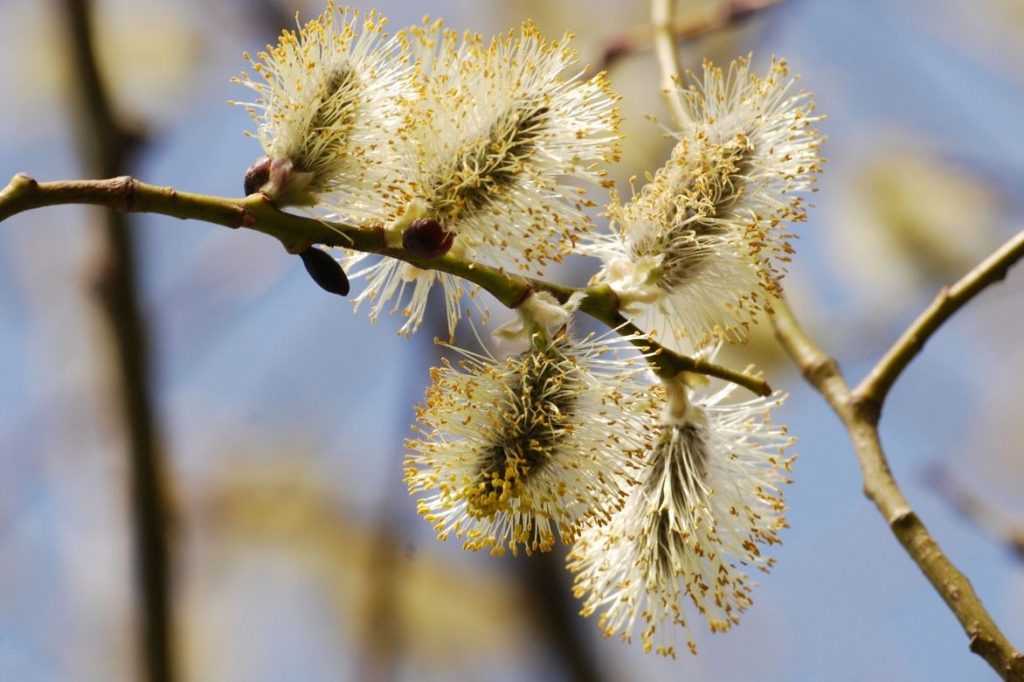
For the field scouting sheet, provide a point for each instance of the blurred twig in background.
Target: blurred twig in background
(556, 612)
(993, 521)
(271, 15)
(725, 15)
(108, 149)
(382, 619)
(383, 638)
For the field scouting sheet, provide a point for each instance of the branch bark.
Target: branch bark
(860, 418)
(297, 233)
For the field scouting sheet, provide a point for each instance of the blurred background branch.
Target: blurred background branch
(719, 16)
(108, 148)
(993, 521)
(556, 613)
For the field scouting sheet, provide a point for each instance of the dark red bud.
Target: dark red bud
(426, 238)
(256, 175)
(616, 50)
(741, 10)
(325, 271)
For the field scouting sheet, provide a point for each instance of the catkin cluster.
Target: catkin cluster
(667, 490)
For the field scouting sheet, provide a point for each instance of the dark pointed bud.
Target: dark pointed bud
(257, 175)
(325, 271)
(426, 238)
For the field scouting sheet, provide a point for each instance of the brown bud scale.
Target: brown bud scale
(256, 175)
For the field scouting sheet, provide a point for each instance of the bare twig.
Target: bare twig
(107, 149)
(297, 233)
(876, 385)
(822, 371)
(723, 16)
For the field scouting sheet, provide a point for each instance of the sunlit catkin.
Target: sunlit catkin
(708, 500)
(703, 246)
(515, 452)
(491, 137)
(327, 101)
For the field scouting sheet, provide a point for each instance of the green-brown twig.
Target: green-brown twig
(296, 233)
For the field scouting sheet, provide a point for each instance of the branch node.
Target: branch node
(820, 369)
(22, 181)
(902, 519)
(953, 591)
(867, 408)
(977, 642)
(125, 187)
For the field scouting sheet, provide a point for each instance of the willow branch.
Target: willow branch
(821, 371)
(296, 233)
(662, 17)
(876, 385)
